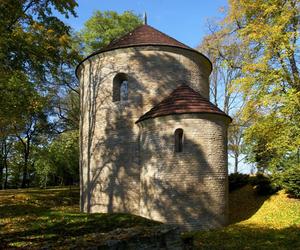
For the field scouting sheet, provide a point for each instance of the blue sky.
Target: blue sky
(183, 20)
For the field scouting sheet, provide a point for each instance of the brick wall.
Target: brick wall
(110, 162)
(190, 187)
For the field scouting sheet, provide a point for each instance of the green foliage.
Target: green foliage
(290, 181)
(19, 101)
(34, 48)
(36, 58)
(237, 180)
(35, 42)
(39, 92)
(58, 163)
(269, 81)
(104, 27)
(263, 184)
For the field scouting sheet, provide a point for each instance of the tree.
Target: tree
(35, 50)
(104, 27)
(5, 147)
(57, 163)
(224, 50)
(40, 104)
(270, 77)
(236, 146)
(34, 41)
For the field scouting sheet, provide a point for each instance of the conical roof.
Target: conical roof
(145, 35)
(142, 36)
(183, 100)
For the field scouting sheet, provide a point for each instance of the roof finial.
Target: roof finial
(145, 18)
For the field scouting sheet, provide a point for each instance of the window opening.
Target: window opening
(178, 140)
(120, 87)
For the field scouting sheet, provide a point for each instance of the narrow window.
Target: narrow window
(178, 140)
(124, 90)
(120, 87)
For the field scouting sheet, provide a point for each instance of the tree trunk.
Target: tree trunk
(1, 174)
(1, 167)
(25, 170)
(25, 166)
(3, 162)
(236, 163)
(6, 173)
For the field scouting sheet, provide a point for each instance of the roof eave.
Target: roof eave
(139, 45)
(174, 113)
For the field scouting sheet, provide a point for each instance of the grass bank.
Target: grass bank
(257, 222)
(38, 218)
(50, 219)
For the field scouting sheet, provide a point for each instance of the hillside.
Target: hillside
(258, 222)
(35, 218)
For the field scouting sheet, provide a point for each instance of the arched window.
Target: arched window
(120, 87)
(178, 136)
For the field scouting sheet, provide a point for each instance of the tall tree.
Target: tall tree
(35, 48)
(269, 30)
(224, 50)
(5, 147)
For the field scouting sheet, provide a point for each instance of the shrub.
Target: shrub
(264, 185)
(290, 181)
(237, 180)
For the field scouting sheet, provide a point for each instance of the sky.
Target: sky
(184, 20)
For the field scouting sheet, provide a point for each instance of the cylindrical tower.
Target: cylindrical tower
(118, 85)
(184, 161)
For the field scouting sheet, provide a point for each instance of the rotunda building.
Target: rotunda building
(151, 143)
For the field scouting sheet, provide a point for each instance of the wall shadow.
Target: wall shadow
(109, 138)
(181, 188)
(108, 135)
(243, 203)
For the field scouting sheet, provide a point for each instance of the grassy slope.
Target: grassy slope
(35, 218)
(259, 222)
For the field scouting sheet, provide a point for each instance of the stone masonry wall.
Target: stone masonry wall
(109, 148)
(190, 187)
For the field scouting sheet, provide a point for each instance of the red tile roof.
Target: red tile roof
(145, 35)
(142, 36)
(183, 100)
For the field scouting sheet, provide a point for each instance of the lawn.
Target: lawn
(257, 222)
(38, 218)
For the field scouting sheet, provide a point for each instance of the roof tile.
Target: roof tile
(144, 35)
(183, 100)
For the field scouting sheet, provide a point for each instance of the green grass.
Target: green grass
(36, 218)
(257, 222)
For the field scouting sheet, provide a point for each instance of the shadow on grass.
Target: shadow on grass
(53, 228)
(16, 210)
(40, 219)
(243, 203)
(247, 237)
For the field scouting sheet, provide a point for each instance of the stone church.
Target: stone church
(151, 143)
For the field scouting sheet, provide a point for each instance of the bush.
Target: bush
(290, 181)
(237, 180)
(264, 185)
